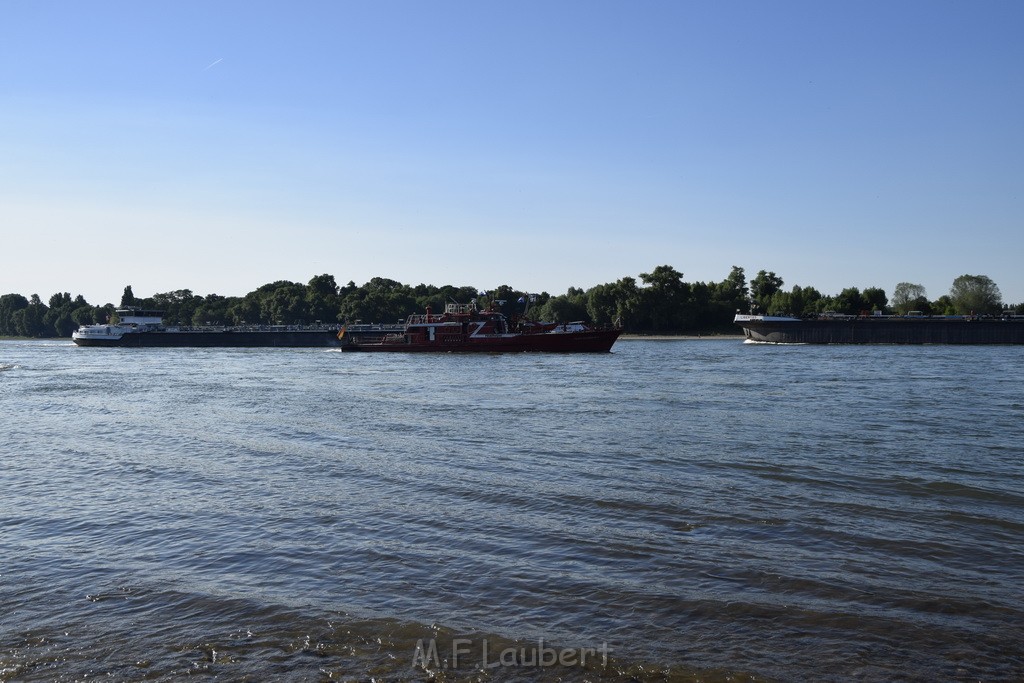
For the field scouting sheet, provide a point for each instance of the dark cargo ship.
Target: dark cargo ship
(883, 329)
(145, 328)
(465, 328)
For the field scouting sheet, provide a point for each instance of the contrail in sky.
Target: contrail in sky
(213, 64)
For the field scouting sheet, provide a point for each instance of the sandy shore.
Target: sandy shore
(682, 337)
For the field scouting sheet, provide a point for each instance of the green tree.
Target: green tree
(976, 294)
(943, 306)
(212, 311)
(799, 301)
(804, 300)
(285, 304)
(322, 300)
(907, 297)
(874, 299)
(664, 302)
(57, 321)
(28, 322)
(849, 301)
(438, 297)
(245, 311)
(128, 298)
(87, 315)
(780, 303)
(733, 292)
(380, 300)
(9, 305)
(824, 304)
(762, 287)
(564, 308)
(616, 301)
(178, 306)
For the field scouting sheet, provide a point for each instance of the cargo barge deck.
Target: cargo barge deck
(883, 329)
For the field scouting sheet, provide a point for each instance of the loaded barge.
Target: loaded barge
(144, 328)
(883, 329)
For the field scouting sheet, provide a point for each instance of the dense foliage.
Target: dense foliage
(661, 302)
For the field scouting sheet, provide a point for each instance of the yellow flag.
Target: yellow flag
(342, 332)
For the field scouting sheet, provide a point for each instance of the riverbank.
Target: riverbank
(681, 337)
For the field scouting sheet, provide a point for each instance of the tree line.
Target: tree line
(968, 295)
(660, 302)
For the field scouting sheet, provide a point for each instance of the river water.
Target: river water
(672, 511)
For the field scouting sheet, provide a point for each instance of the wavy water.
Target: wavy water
(702, 510)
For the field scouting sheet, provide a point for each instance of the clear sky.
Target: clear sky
(218, 146)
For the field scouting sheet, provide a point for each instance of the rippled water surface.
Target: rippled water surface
(700, 510)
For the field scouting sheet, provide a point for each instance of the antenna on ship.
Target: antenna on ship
(527, 299)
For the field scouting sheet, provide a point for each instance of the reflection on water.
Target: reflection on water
(701, 509)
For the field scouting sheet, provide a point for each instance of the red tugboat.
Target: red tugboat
(462, 327)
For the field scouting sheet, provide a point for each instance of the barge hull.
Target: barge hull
(313, 339)
(598, 341)
(869, 330)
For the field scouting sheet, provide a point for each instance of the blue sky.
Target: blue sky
(218, 146)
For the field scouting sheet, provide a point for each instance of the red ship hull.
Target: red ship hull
(591, 341)
(463, 328)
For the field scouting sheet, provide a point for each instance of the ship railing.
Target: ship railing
(460, 309)
(423, 318)
(574, 326)
(251, 328)
(374, 327)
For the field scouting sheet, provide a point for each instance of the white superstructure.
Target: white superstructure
(131, 321)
